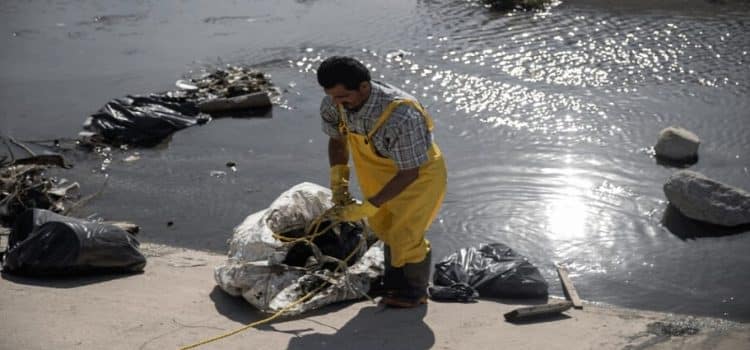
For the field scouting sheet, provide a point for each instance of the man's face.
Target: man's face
(352, 100)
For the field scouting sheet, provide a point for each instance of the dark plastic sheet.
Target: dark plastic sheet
(143, 120)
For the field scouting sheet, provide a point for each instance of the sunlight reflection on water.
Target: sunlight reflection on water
(567, 214)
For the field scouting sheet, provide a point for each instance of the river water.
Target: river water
(546, 119)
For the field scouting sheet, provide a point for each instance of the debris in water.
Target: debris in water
(147, 120)
(132, 158)
(218, 174)
(25, 183)
(185, 85)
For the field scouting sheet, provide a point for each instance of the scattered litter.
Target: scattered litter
(230, 82)
(218, 174)
(61, 189)
(132, 158)
(147, 120)
(185, 85)
(46, 159)
(24, 183)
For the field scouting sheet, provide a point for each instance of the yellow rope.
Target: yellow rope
(308, 238)
(257, 323)
(312, 230)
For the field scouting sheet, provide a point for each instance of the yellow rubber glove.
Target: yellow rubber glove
(340, 185)
(356, 211)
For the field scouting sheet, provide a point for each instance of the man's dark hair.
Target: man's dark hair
(342, 70)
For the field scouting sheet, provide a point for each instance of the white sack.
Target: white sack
(254, 269)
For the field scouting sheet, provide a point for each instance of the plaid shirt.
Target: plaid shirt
(404, 138)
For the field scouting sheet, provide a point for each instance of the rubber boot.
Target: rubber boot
(392, 281)
(416, 278)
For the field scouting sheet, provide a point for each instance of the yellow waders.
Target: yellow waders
(402, 222)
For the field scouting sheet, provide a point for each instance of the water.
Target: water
(546, 120)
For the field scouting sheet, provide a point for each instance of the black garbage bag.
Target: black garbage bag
(43, 243)
(494, 270)
(143, 120)
(338, 245)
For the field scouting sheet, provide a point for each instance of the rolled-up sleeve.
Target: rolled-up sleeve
(330, 118)
(408, 138)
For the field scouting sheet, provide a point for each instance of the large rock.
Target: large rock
(700, 198)
(677, 144)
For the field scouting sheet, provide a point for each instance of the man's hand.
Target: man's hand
(355, 211)
(340, 185)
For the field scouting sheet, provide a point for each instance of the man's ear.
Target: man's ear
(364, 86)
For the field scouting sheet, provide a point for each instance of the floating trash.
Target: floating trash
(147, 120)
(232, 165)
(218, 174)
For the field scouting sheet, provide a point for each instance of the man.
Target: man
(400, 169)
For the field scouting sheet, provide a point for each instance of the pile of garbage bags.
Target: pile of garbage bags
(43, 243)
(271, 271)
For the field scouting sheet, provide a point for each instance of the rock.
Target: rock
(677, 144)
(701, 198)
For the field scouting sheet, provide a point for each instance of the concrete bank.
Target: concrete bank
(175, 303)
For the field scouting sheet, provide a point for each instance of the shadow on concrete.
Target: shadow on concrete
(686, 228)
(235, 308)
(239, 310)
(373, 328)
(519, 301)
(73, 281)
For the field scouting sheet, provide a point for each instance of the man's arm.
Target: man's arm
(338, 154)
(395, 186)
(408, 148)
